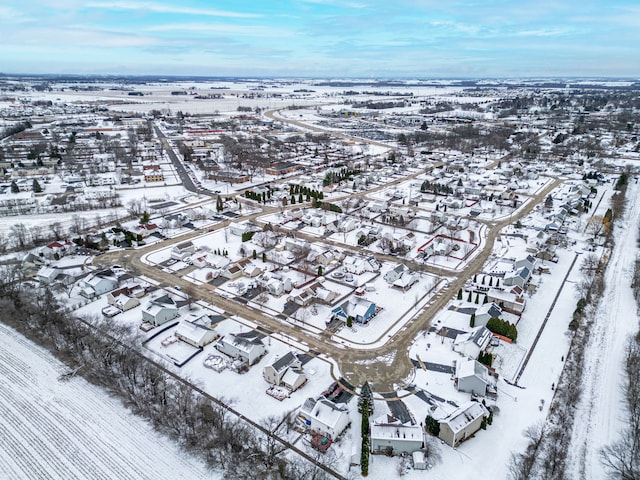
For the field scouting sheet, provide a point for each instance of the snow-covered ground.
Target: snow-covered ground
(599, 416)
(73, 430)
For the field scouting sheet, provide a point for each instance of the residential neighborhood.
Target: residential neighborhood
(276, 252)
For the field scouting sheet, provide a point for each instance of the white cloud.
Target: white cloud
(243, 30)
(159, 8)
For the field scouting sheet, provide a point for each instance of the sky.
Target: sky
(323, 38)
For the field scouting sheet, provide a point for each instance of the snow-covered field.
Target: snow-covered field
(599, 416)
(51, 429)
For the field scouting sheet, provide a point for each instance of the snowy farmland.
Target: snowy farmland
(53, 429)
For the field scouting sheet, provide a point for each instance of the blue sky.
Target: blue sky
(328, 38)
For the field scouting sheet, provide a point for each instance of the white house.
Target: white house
(249, 350)
(462, 423)
(405, 281)
(196, 331)
(182, 250)
(58, 249)
(160, 310)
(395, 273)
(121, 300)
(390, 436)
(473, 377)
(470, 344)
(98, 283)
(323, 416)
(47, 275)
(285, 371)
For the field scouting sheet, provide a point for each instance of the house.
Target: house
(240, 228)
(462, 423)
(277, 286)
(473, 377)
(520, 277)
(322, 294)
(58, 249)
(160, 310)
(358, 265)
(122, 300)
(182, 250)
(98, 283)
(395, 273)
(252, 270)
(405, 281)
(390, 436)
(529, 261)
(324, 416)
(359, 309)
(379, 206)
(249, 350)
(470, 344)
(46, 275)
(487, 311)
(511, 301)
(196, 331)
(232, 271)
(285, 371)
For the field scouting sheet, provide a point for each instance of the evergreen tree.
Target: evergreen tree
(469, 298)
(36, 186)
(472, 323)
(300, 200)
(486, 299)
(255, 254)
(264, 257)
(366, 395)
(477, 298)
(432, 425)
(460, 294)
(14, 187)
(219, 206)
(491, 281)
(319, 270)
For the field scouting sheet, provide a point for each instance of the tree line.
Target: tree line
(110, 355)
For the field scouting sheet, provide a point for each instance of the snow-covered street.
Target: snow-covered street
(599, 416)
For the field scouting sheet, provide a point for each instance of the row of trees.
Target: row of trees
(547, 443)
(337, 177)
(502, 327)
(109, 355)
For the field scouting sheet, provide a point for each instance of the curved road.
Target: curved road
(355, 365)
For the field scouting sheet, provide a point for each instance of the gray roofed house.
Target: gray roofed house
(473, 377)
(160, 310)
(462, 423)
(529, 261)
(520, 277)
(249, 350)
(324, 416)
(470, 344)
(285, 370)
(486, 312)
(390, 436)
